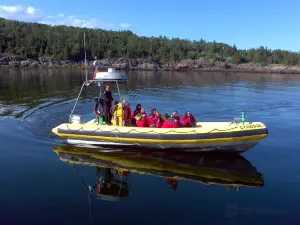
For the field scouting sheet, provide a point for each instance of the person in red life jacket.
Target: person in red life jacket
(141, 119)
(167, 123)
(158, 120)
(135, 113)
(188, 120)
(151, 118)
(153, 112)
(176, 119)
(172, 122)
(126, 113)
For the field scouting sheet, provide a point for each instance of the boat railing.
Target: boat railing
(99, 83)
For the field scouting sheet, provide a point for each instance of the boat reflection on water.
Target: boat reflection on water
(114, 167)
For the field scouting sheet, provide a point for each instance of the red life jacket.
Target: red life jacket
(158, 121)
(188, 121)
(171, 122)
(176, 122)
(151, 120)
(143, 122)
(167, 124)
(133, 115)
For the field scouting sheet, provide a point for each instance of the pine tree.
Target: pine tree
(62, 42)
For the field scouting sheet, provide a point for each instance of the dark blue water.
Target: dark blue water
(43, 181)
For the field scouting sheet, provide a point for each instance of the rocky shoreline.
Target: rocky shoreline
(144, 64)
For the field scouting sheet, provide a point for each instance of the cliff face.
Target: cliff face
(145, 64)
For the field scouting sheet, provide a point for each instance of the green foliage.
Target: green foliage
(35, 40)
(236, 58)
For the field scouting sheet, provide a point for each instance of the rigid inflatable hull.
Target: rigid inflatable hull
(211, 136)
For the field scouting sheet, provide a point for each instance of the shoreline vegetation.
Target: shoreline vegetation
(31, 45)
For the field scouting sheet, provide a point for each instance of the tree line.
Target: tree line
(33, 40)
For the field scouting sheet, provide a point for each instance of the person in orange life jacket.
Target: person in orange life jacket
(158, 120)
(172, 122)
(151, 118)
(188, 120)
(135, 113)
(107, 104)
(142, 120)
(126, 113)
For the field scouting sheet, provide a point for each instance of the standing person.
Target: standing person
(107, 98)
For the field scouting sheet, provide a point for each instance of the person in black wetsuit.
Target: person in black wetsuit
(107, 98)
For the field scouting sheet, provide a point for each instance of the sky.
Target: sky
(247, 24)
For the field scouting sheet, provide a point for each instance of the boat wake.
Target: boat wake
(40, 119)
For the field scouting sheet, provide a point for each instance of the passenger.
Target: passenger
(165, 116)
(172, 122)
(98, 110)
(188, 120)
(151, 118)
(153, 112)
(141, 119)
(176, 119)
(126, 113)
(107, 104)
(158, 120)
(135, 113)
(167, 123)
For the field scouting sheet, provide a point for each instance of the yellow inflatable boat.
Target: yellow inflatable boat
(232, 136)
(207, 168)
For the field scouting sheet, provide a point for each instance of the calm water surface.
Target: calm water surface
(43, 181)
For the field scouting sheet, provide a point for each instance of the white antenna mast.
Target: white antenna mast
(85, 57)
